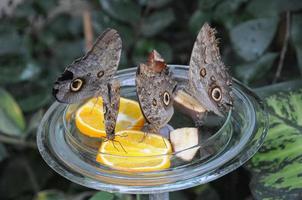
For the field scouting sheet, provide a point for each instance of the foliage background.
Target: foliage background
(260, 42)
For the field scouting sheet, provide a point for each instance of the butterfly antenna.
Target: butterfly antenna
(114, 145)
(94, 104)
(144, 137)
(164, 142)
(119, 144)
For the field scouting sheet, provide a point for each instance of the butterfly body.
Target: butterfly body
(111, 102)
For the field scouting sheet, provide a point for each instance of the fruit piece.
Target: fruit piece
(89, 117)
(184, 138)
(136, 151)
(188, 105)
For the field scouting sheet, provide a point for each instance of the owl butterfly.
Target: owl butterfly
(111, 103)
(209, 80)
(88, 76)
(155, 87)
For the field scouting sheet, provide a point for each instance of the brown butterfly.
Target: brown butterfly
(154, 88)
(209, 81)
(92, 75)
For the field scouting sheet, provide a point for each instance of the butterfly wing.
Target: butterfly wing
(111, 103)
(154, 87)
(88, 76)
(208, 76)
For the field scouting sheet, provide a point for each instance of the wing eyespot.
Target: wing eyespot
(76, 84)
(203, 72)
(166, 98)
(100, 74)
(154, 102)
(216, 94)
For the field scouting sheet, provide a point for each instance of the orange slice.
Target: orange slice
(136, 151)
(89, 118)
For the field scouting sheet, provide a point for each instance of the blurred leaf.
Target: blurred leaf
(250, 39)
(156, 22)
(269, 90)
(276, 168)
(207, 4)
(35, 100)
(34, 121)
(102, 196)
(256, 69)
(270, 8)
(14, 179)
(31, 70)
(101, 22)
(154, 3)
(25, 10)
(3, 152)
(227, 7)
(12, 121)
(64, 26)
(45, 6)
(144, 47)
(11, 43)
(178, 195)
(296, 32)
(50, 195)
(66, 52)
(123, 10)
(198, 19)
(206, 192)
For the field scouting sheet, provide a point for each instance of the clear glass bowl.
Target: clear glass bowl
(224, 145)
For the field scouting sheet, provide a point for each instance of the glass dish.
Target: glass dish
(224, 145)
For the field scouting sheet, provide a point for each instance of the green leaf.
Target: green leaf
(228, 7)
(156, 22)
(154, 3)
(50, 195)
(198, 19)
(296, 32)
(123, 10)
(256, 69)
(12, 121)
(35, 100)
(102, 196)
(250, 39)
(144, 47)
(18, 70)
(269, 8)
(283, 86)
(207, 4)
(3, 152)
(34, 121)
(276, 168)
(11, 43)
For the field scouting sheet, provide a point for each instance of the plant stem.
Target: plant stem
(15, 141)
(88, 32)
(284, 47)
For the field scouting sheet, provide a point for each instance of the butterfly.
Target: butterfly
(92, 76)
(209, 80)
(88, 76)
(154, 88)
